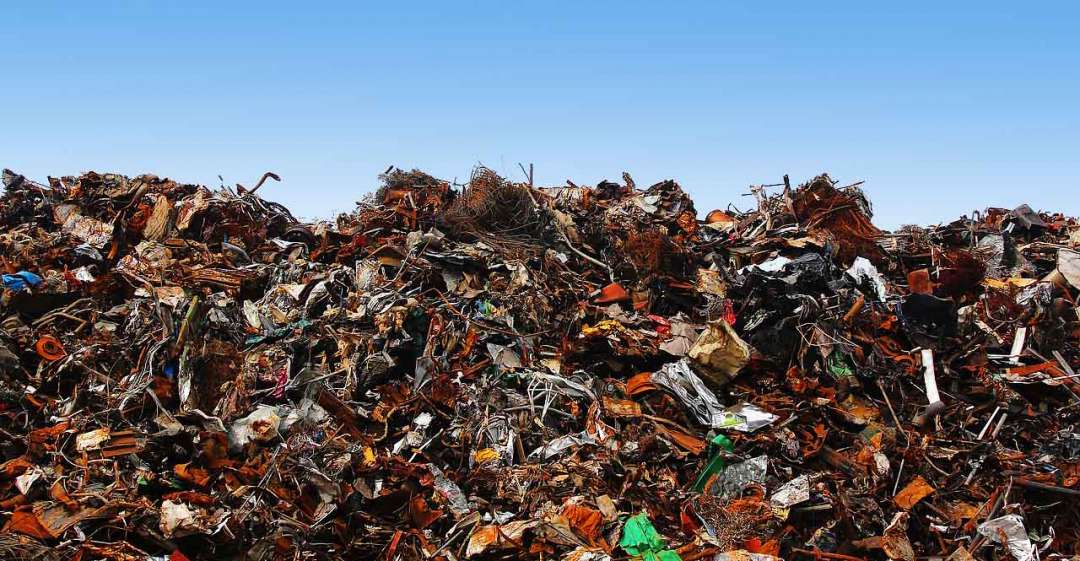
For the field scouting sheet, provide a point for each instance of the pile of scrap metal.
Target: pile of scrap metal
(498, 371)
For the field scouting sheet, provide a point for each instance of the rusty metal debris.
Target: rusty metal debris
(500, 371)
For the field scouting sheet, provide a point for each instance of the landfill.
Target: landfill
(497, 370)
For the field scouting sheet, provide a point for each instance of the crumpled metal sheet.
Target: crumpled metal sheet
(94, 233)
(746, 417)
(792, 493)
(680, 379)
(736, 477)
(720, 351)
(1009, 531)
(866, 274)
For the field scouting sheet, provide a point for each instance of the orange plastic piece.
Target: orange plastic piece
(49, 348)
(718, 216)
(919, 282)
(611, 293)
(640, 383)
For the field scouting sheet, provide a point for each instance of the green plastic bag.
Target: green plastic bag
(716, 464)
(839, 365)
(639, 537)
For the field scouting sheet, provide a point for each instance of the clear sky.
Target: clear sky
(940, 106)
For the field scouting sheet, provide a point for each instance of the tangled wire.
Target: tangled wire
(494, 206)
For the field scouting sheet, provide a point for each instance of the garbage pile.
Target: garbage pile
(499, 371)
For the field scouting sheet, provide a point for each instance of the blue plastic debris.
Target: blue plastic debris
(21, 281)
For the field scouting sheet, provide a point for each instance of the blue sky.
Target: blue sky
(940, 107)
